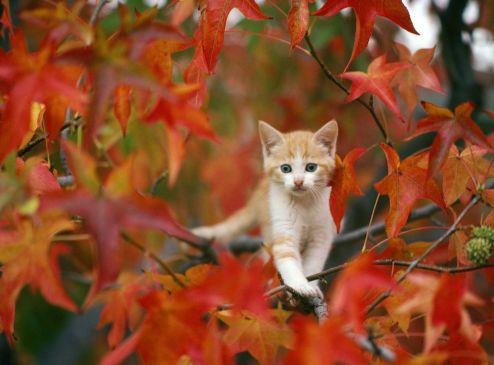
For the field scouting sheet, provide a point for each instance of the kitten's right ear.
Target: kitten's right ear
(270, 137)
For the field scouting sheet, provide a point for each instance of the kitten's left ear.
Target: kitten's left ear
(327, 135)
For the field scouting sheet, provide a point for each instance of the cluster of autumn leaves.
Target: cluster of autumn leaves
(119, 98)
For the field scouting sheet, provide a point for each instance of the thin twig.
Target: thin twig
(155, 257)
(390, 262)
(433, 246)
(367, 105)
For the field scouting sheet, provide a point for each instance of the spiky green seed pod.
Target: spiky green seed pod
(479, 250)
(484, 232)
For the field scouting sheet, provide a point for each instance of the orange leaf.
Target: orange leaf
(343, 184)
(461, 168)
(404, 185)
(260, 336)
(443, 300)
(420, 73)
(28, 258)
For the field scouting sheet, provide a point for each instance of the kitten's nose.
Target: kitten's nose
(298, 183)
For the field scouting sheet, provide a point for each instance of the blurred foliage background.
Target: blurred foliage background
(259, 78)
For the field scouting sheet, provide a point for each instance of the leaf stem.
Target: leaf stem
(367, 105)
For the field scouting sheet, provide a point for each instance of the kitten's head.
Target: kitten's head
(300, 161)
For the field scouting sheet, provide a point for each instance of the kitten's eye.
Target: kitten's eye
(311, 167)
(286, 168)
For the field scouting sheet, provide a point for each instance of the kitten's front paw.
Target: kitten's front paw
(305, 289)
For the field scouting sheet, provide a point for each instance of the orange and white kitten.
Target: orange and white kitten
(291, 204)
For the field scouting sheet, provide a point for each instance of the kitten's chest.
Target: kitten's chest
(299, 215)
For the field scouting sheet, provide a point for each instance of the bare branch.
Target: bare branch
(155, 257)
(431, 248)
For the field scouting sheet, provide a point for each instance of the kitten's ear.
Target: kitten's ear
(327, 135)
(270, 137)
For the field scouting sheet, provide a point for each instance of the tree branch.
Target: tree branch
(391, 262)
(367, 105)
(433, 246)
(250, 243)
(155, 257)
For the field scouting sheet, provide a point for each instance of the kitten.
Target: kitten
(291, 204)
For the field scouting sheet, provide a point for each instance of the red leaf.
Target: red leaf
(246, 292)
(365, 14)
(106, 217)
(22, 73)
(376, 81)
(298, 21)
(39, 178)
(405, 183)
(213, 23)
(343, 184)
(449, 127)
(323, 344)
(355, 288)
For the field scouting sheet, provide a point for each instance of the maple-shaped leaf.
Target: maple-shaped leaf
(246, 292)
(213, 23)
(343, 184)
(261, 337)
(398, 249)
(405, 183)
(355, 288)
(29, 258)
(22, 72)
(298, 21)
(121, 305)
(108, 209)
(182, 328)
(322, 344)
(443, 300)
(450, 127)
(119, 60)
(105, 218)
(461, 168)
(365, 14)
(420, 73)
(376, 81)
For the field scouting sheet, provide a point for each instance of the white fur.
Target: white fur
(307, 221)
